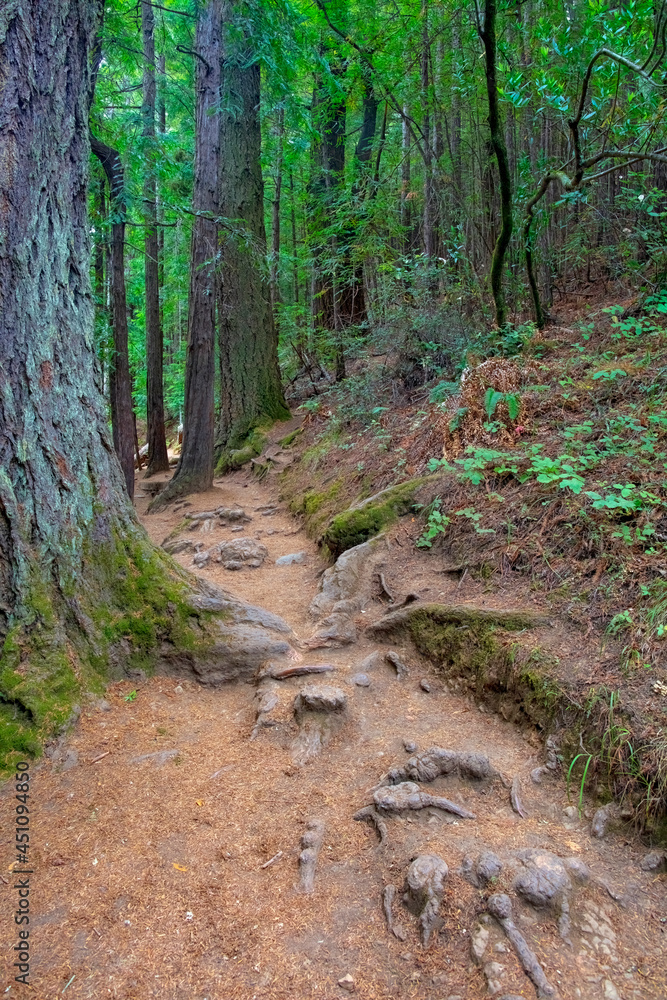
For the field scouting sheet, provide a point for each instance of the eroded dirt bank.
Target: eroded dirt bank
(167, 839)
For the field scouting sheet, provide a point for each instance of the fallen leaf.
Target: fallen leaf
(179, 868)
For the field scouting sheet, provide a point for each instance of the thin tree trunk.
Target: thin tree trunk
(427, 234)
(251, 393)
(195, 468)
(158, 460)
(162, 127)
(120, 380)
(500, 149)
(406, 205)
(275, 210)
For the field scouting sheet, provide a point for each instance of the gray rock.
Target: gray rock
(577, 870)
(335, 630)
(238, 553)
(544, 880)
(320, 698)
(103, 705)
(232, 515)
(654, 861)
(348, 581)
(202, 558)
(409, 746)
(479, 939)
(361, 680)
(424, 685)
(178, 545)
(291, 559)
(602, 818)
(371, 662)
(397, 663)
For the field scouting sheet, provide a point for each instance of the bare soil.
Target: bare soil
(151, 876)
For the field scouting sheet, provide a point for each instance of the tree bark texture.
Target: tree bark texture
(500, 150)
(62, 493)
(251, 392)
(195, 468)
(158, 460)
(120, 378)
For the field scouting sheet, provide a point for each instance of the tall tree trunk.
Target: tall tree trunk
(275, 210)
(120, 380)
(158, 460)
(195, 468)
(428, 229)
(406, 205)
(251, 393)
(500, 150)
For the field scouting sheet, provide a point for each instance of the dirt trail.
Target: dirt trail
(167, 840)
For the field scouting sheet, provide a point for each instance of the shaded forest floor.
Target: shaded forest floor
(155, 819)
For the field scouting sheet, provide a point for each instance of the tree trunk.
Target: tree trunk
(251, 392)
(81, 587)
(195, 468)
(120, 380)
(158, 460)
(428, 229)
(275, 211)
(500, 150)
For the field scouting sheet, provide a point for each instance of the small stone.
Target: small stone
(178, 689)
(610, 991)
(653, 861)
(347, 983)
(361, 680)
(409, 746)
(602, 819)
(440, 979)
(291, 559)
(570, 812)
(493, 971)
(177, 546)
(424, 685)
(238, 527)
(406, 956)
(479, 940)
(537, 774)
(202, 558)
(103, 705)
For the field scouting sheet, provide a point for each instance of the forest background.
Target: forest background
(400, 181)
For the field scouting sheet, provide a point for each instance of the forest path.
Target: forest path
(167, 840)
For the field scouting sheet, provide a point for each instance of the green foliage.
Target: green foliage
(436, 525)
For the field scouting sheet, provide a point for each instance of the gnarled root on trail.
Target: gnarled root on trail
(370, 814)
(425, 882)
(436, 761)
(408, 795)
(500, 907)
(311, 842)
(388, 894)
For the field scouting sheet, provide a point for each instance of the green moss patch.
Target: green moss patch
(133, 612)
(371, 516)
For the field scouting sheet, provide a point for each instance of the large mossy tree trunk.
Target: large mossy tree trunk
(81, 586)
(194, 473)
(251, 392)
(158, 459)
